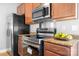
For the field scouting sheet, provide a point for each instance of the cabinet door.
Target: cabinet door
(20, 47)
(28, 13)
(35, 5)
(62, 50)
(63, 10)
(20, 9)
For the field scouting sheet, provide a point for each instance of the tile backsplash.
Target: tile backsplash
(70, 27)
(33, 27)
(44, 25)
(48, 24)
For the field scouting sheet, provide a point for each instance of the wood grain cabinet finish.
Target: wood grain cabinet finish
(20, 9)
(63, 10)
(35, 5)
(49, 53)
(20, 48)
(28, 13)
(57, 49)
(59, 11)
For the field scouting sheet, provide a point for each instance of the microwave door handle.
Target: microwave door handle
(47, 10)
(44, 12)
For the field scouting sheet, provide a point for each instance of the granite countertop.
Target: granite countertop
(55, 41)
(60, 42)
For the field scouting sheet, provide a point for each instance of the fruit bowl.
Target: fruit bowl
(63, 39)
(63, 36)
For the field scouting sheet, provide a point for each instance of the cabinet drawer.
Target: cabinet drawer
(62, 50)
(49, 53)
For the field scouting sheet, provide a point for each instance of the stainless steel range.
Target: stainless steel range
(42, 33)
(37, 40)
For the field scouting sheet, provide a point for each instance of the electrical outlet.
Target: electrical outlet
(74, 27)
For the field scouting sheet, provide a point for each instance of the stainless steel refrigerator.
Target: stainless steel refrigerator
(15, 26)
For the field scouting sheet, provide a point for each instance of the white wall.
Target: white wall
(5, 9)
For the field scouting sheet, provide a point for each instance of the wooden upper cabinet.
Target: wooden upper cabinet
(63, 10)
(28, 13)
(35, 5)
(20, 9)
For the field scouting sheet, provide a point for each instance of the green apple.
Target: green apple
(57, 35)
(63, 36)
(69, 37)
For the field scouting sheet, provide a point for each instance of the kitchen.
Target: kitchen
(43, 22)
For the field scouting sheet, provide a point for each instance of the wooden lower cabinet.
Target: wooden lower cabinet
(51, 49)
(21, 50)
(49, 53)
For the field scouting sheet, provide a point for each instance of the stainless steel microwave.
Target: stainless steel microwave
(41, 12)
